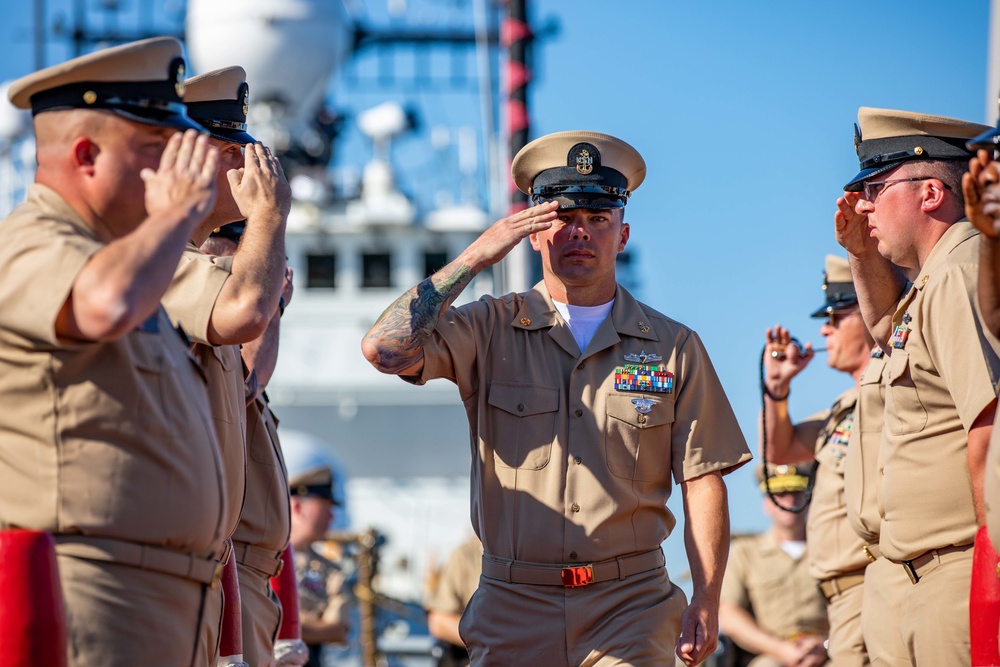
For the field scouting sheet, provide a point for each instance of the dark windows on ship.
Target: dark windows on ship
(434, 262)
(376, 269)
(321, 271)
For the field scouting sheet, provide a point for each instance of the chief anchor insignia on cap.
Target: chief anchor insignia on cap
(838, 284)
(219, 101)
(579, 169)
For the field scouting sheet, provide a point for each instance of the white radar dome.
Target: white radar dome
(289, 48)
(14, 122)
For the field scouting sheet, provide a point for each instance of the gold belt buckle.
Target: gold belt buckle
(868, 553)
(577, 576)
(217, 576)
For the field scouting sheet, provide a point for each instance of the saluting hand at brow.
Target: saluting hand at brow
(982, 193)
(851, 227)
(494, 244)
(260, 186)
(185, 178)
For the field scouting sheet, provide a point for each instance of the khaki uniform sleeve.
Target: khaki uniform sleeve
(951, 335)
(808, 430)
(192, 294)
(41, 259)
(453, 348)
(706, 436)
(734, 585)
(459, 579)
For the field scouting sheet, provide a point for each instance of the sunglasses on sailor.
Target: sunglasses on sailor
(874, 188)
(835, 317)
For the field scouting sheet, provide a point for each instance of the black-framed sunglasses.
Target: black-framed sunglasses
(874, 188)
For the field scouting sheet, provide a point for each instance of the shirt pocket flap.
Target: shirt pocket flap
(524, 400)
(640, 411)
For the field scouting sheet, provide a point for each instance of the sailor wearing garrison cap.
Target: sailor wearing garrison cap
(771, 609)
(582, 404)
(836, 556)
(915, 261)
(98, 388)
(224, 303)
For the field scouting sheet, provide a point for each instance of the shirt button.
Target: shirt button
(575, 507)
(642, 419)
(572, 555)
(577, 460)
(520, 407)
(579, 412)
(580, 366)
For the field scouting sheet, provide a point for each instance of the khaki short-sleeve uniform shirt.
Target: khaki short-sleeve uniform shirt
(834, 548)
(108, 439)
(573, 452)
(864, 450)
(941, 374)
(459, 578)
(774, 588)
(189, 302)
(266, 514)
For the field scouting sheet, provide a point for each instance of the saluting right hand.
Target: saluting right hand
(185, 179)
(260, 187)
(982, 194)
(494, 244)
(851, 226)
(783, 359)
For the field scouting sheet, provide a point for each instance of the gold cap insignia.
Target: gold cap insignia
(584, 163)
(90, 97)
(246, 101)
(643, 327)
(179, 87)
(525, 321)
(918, 151)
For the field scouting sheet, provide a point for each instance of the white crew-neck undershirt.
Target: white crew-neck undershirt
(583, 320)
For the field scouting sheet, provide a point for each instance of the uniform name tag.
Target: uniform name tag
(639, 377)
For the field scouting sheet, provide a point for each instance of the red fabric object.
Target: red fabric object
(984, 603)
(286, 588)
(231, 637)
(32, 617)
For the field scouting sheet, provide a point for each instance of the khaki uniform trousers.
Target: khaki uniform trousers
(847, 643)
(261, 616)
(211, 625)
(924, 624)
(122, 616)
(633, 622)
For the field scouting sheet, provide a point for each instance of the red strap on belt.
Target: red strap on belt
(577, 576)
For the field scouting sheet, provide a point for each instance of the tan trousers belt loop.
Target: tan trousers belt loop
(929, 561)
(263, 560)
(203, 569)
(542, 574)
(837, 585)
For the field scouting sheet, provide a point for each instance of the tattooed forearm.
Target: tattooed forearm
(404, 327)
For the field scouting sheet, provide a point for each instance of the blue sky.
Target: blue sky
(743, 112)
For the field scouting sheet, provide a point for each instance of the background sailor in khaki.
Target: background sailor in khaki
(770, 606)
(221, 303)
(323, 598)
(105, 436)
(582, 402)
(458, 580)
(262, 532)
(836, 556)
(904, 209)
(885, 581)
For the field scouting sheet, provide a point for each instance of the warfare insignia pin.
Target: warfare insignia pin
(643, 405)
(906, 318)
(899, 336)
(642, 357)
(639, 377)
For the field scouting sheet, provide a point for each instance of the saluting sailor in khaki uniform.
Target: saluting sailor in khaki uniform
(458, 581)
(904, 209)
(836, 554)
(582, 403)
(770, 606)
(105, 437)
(223, 302)
(262, 533)
(323, 600)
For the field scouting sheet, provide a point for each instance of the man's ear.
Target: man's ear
(932, 194)
(534, 241)
(85, 153)
(626, 230)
